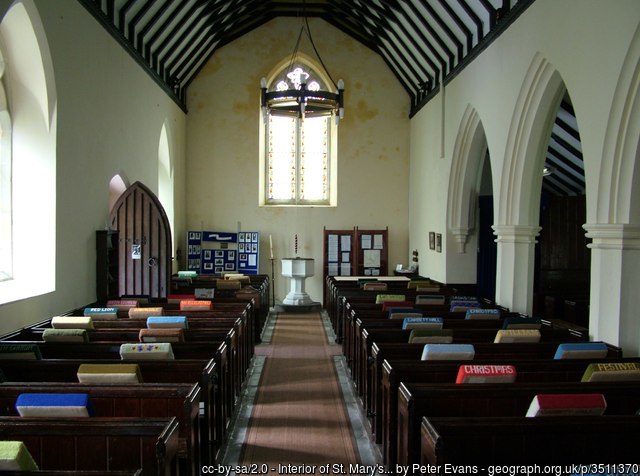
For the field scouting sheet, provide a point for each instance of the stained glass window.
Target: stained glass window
(298, 150)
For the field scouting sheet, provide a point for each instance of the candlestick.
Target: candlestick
(271, 246)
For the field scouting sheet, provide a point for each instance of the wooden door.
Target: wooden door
(144, 243)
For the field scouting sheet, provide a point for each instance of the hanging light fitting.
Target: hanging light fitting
(294, 95)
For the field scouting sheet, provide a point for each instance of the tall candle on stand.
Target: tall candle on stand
(271, 246)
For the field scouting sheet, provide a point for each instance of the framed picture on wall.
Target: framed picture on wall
(439, 243)
(432, 240)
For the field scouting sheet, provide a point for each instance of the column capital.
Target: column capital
(460, 234)
(516, 233)
(613, 236)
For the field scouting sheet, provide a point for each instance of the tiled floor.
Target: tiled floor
(230, 454)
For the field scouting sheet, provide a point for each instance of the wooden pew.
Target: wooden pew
(483, 350)
(102, 444)
(144, 400)
(483, 400)
(129, 332)
(223, 401)
(232, 317)
(564, 440)
(460, 336)
(353, 342)
(203, 372)
(256, 293)
(409, 372)
(486, 351)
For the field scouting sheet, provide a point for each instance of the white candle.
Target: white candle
(271, 246)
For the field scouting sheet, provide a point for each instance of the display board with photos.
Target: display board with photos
(339, 252)
(371, 252)
(248, 252)
(213, 252)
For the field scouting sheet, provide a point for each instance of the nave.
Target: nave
(318, 419)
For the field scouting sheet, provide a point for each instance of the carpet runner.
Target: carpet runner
(299, 416)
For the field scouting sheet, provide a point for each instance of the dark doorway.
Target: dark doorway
(487, 249)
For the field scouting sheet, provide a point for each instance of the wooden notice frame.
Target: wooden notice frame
(339, 254)
(372, 252)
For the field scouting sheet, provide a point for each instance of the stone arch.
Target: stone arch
(517, 211)
(521, 178)
(468, 154)
(619, 185)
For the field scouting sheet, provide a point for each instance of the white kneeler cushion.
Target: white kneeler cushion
(72, 322)
(146, 351)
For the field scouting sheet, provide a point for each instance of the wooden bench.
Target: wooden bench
(483, 400)
(144, 400)
(413, 352)
(232, 320)
(409, 372)
(204, 372)
(101, 444)
(460, 336)
(129, 332)
(564, 440)
(218, 397)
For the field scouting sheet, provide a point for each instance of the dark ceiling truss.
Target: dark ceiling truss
(564, 154)
(425, 43)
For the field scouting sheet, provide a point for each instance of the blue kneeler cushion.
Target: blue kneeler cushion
(54, 405)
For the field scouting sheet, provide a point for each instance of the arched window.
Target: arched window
(28, 125)
(6, 235)
(299, 153)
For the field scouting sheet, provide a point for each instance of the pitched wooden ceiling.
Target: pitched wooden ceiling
(424, 42)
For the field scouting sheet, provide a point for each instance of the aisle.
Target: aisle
(302, 411)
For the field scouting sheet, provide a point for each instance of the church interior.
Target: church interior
(290, 236)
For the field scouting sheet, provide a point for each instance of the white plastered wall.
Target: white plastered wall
(110, 114)
(561, 39)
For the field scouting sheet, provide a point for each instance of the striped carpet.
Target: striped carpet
(299, 415)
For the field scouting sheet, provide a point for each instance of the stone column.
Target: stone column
(615, 285)
(515, 266)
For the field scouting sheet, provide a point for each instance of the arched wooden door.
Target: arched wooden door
(144, 243)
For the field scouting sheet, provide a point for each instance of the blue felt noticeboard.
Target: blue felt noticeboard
(213, 252)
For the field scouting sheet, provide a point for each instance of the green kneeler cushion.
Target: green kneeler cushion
(14, 456)
(19, 352)
(65, 335)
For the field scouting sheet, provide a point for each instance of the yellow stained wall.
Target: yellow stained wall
(223, 148)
